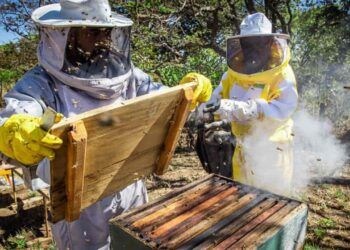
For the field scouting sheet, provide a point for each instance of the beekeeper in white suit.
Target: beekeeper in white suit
(84, 63)
(258, 96)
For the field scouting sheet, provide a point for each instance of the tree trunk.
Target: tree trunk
(250, 6)
(266, 3)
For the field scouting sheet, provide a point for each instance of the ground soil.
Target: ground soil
(329, 217)
(21, 227)
(329, 206)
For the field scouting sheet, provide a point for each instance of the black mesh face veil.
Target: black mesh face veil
(249, 55)
(95, 53)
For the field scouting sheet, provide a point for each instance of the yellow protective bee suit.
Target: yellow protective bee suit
(274, 93)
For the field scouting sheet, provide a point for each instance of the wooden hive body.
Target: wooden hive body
(106, 149)
(214, 213)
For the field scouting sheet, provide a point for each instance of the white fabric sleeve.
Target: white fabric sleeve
(282, 107)
(238, 111)
(31, 95)
(145, 84)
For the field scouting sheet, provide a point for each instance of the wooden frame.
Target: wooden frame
(213, 213)
(107, 149)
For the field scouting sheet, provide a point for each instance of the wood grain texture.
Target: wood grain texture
(280, 222)
(172, 210)
(168, 226)
(227, 216)
(76, 154)
(131, 216)
(251, 213)
(123, 145)
(174, 132)
(206, 221)
(249, 226)
(271, 223)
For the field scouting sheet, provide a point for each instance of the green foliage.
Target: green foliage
(6, 75)
(52, 247)
(32, 194)
(311, 246)
(165, 10)
(17, 242)
(321, 57)
(172, 38)
(15, 60)
(326, 223)
(340, 195)
(206, 62)
(8, 78)
(319, 232)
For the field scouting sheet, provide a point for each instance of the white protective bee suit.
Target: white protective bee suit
(87, 87)
(259, 104)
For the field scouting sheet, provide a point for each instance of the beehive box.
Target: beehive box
(213, 213)
(106, 149)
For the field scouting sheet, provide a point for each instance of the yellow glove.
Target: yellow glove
(22, 139)
(203, 90)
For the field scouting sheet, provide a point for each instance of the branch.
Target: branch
(182, 7)
(280, 17)
(24, 7)
(235, 19)
(214, 26)
(171, 49)
(250, 6)
(290, 17)
(9, 28)
(217, 49)
(266, 3)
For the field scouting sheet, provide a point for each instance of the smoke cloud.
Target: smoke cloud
(315, 150)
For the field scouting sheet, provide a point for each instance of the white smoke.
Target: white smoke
(316, 153)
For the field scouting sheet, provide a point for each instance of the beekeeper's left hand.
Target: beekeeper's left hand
(203, 90)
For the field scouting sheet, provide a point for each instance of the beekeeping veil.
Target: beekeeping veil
(256, 49)
(86, 46)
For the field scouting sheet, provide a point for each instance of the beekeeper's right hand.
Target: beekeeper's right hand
(22, 139)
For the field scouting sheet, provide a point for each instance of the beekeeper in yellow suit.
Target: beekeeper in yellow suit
(258, 95)
(84, 63)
